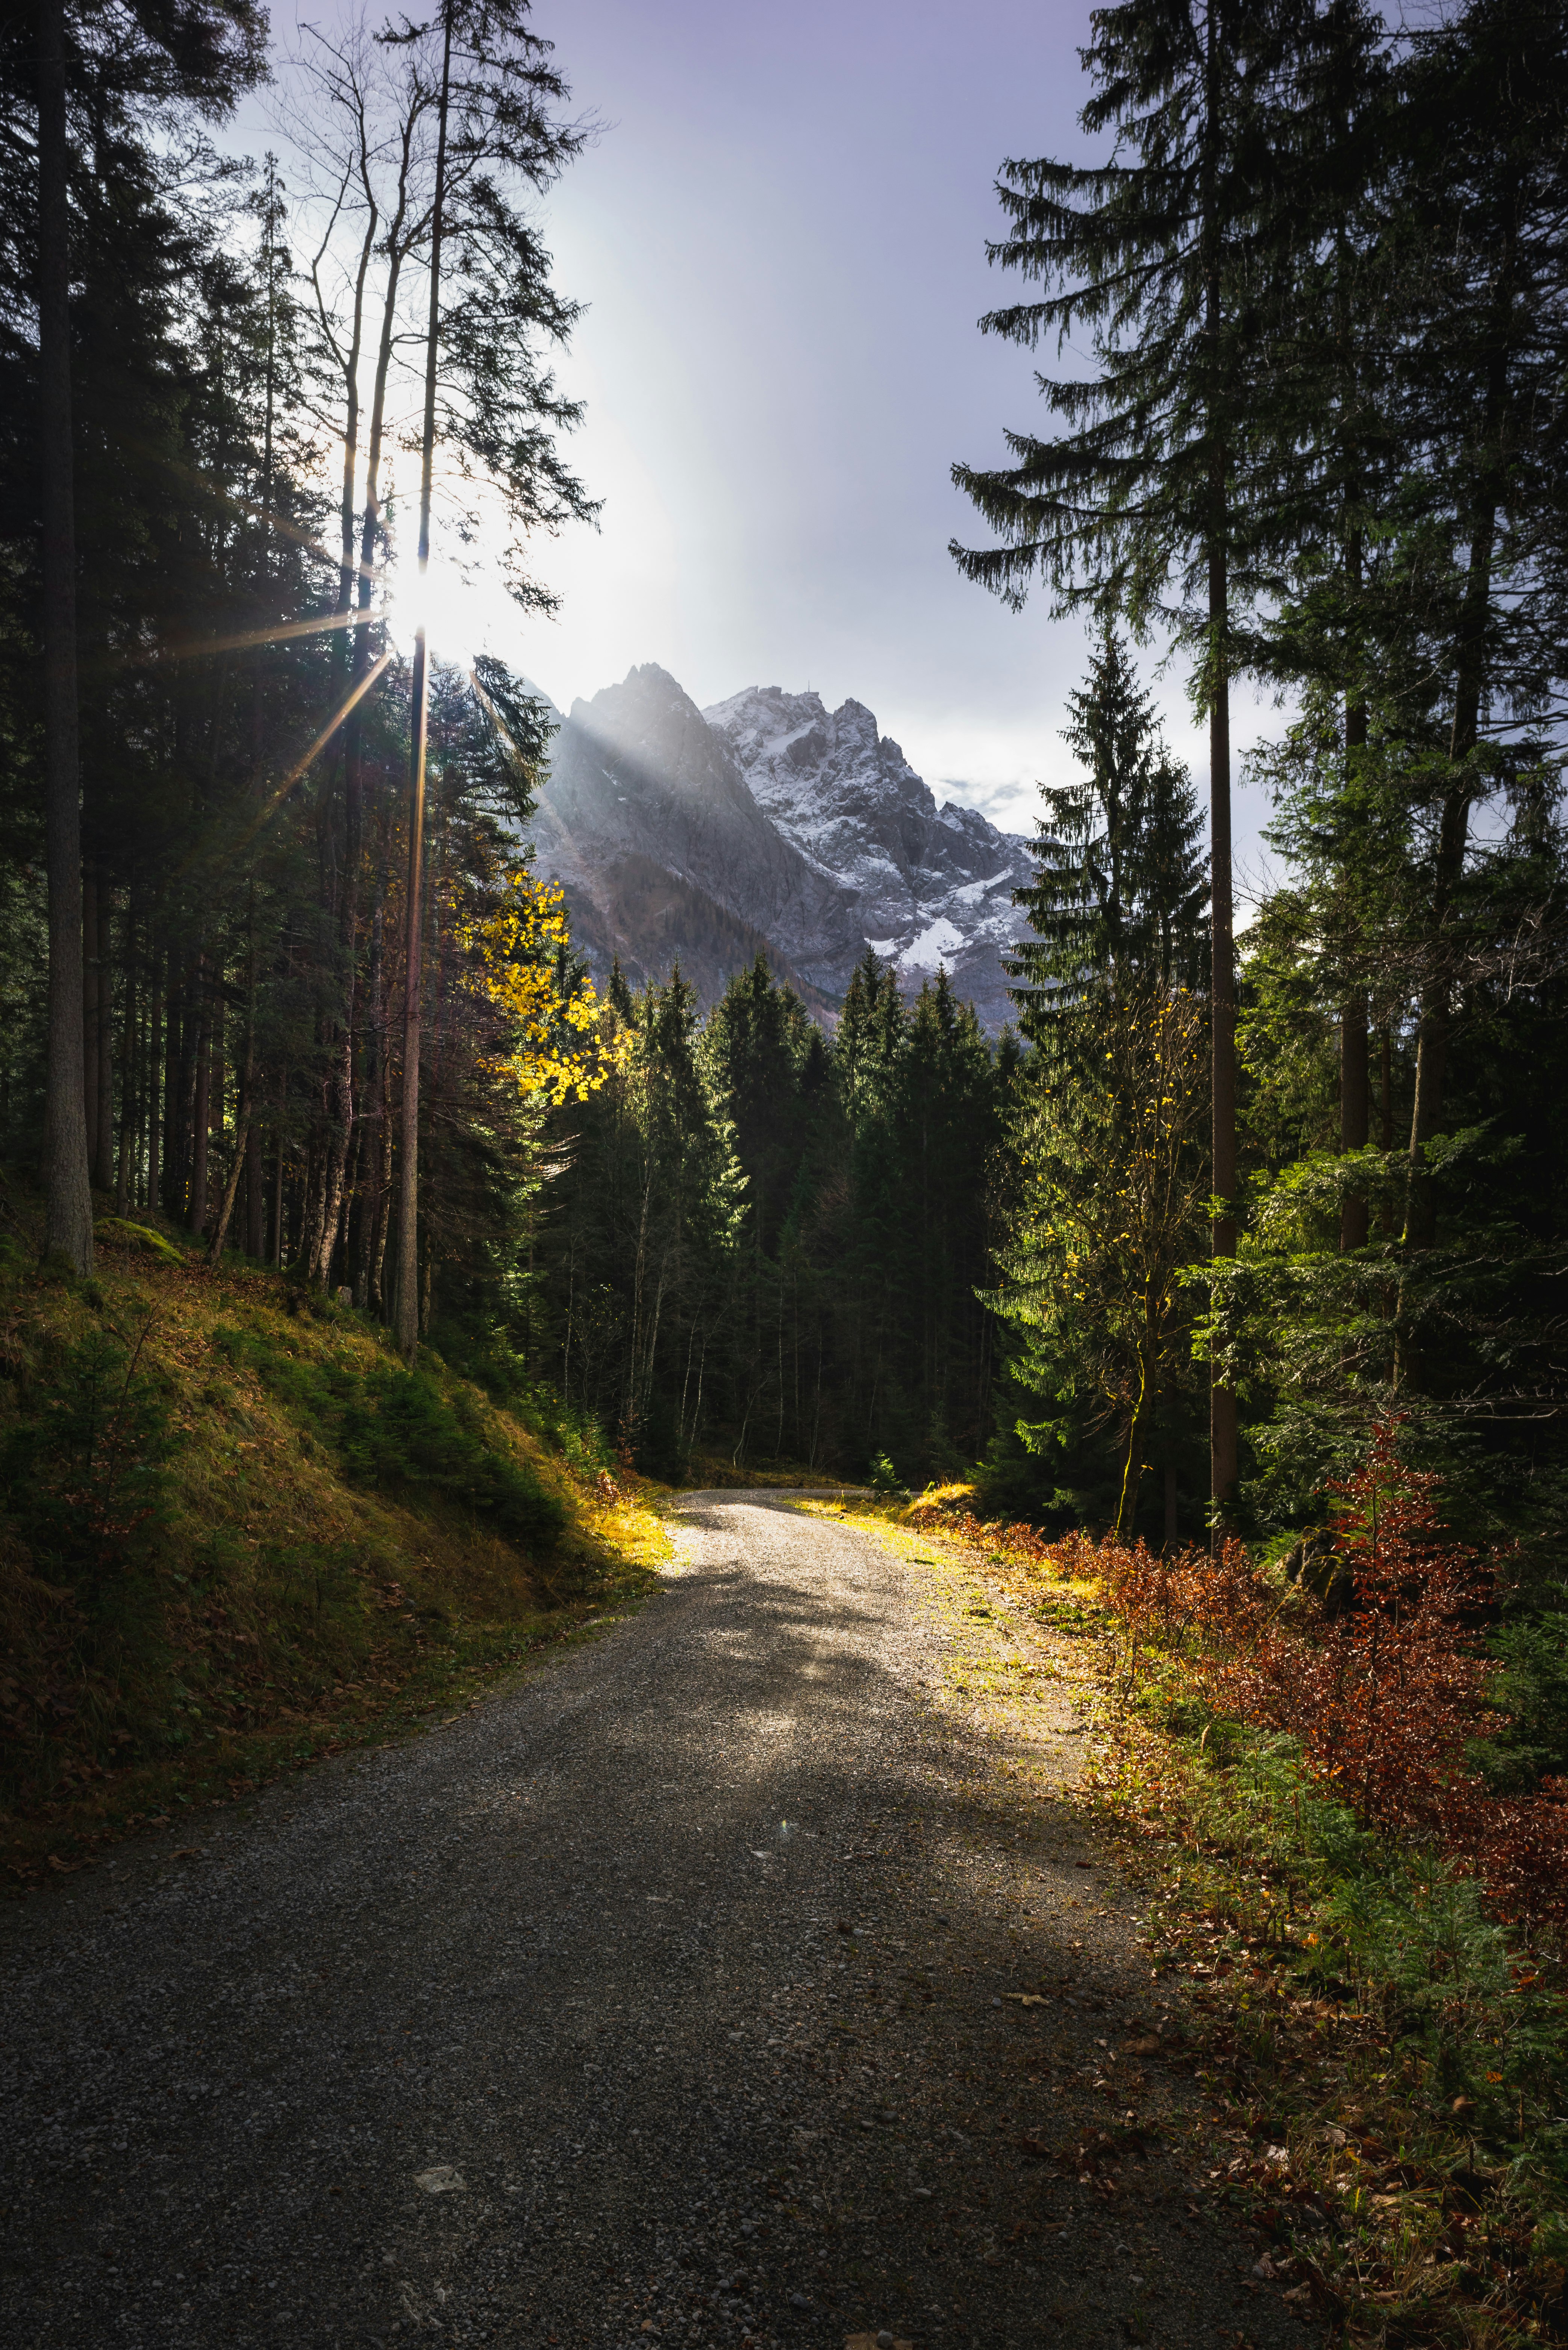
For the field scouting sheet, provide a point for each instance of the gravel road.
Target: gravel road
(546, 2027)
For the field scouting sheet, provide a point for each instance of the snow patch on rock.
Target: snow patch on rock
(845, 797)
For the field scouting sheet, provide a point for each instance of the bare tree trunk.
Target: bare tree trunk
(231, 1189)
(173, 1092)
(103, 1122)
(129, 1063)
(1436, 1020)
(216, 1078)
(375, 1241)
(241, 1130)
(1222, 1437)
(68, 1212)
(156, 1016)
(1222, 1454)
(1355, 1084)
(90, 1016)
(339, 1129)
(277, 1205)
(408, 1200)
(196, 1214)
(1355, 1110)
(341, 1104)
(377, 1277)
(255, 1195)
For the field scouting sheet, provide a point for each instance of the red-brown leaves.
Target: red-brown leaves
(1381, 1675)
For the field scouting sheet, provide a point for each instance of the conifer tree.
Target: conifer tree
(1119, 899)
(1147, 501)
(89, 77)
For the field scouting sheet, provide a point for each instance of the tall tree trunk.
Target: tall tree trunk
(378, 1271)
(103, 1121)
(68, 1205)
(379, 1158)
(130, 1064)
(277, 1250)
(90, 1016)
(155, 1018)
(173, 1196)
(408, 1305)
(231, 1189)
(197, 1211)
(1355, 1110)
(1436, 1012)
(1223, 1430)
(255, 1195)
(1354, 1082)
(217, 1079)
(184, 1141)
(243, 1123)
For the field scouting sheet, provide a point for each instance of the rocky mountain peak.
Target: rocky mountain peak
(769, 822)
(931, 885)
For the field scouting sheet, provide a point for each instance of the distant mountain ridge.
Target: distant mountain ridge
(771, 823)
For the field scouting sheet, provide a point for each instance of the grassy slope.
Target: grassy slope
(289, 1591)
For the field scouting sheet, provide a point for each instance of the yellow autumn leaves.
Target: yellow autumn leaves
(561, 1041)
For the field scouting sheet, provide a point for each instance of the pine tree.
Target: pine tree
(1119, 899)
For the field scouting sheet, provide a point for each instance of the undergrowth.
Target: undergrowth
(1381, 2026)
(237, 1533)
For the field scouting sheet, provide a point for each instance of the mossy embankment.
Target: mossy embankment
(237, 1533)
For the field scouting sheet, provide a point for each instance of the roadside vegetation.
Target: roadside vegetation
(240, 1535)
(1323, 1807)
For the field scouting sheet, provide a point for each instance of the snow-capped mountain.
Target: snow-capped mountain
(768, 823)
(931, 885)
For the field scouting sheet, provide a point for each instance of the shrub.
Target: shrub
(1377, 1670)
(84, 1474)
(399, 1431)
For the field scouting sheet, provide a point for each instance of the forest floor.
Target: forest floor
(747, 1971)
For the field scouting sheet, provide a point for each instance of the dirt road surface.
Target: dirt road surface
(675, 1993)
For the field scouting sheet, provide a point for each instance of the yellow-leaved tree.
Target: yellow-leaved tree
(556, 1041)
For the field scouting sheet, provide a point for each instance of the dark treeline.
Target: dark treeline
(776, 1240)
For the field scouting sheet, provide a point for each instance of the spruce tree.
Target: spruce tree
(1147, 501)
(1119, 899)
(92, 76)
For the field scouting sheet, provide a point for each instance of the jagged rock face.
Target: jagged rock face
(638, 774)
(931, 885)
(768, 822)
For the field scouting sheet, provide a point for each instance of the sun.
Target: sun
(459, 615)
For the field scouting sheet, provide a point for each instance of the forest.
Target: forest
(280, 981)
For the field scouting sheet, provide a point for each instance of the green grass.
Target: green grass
(237, 1533)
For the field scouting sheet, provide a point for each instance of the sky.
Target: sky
(779, 231)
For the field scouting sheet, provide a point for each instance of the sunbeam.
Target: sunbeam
(274, 633)
(355, 693)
